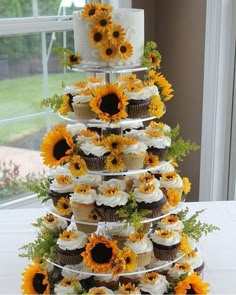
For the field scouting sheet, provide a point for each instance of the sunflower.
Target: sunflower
(128, 289)
(154, 133)
(66, 282)
(96, 36)
(114, 163)
(156, 106)
(192, 284)
(130, 259)
(187, 185)
(77, 166)
(127, 78)
(66, 105)
(64, 179)
(108, 51)
(63, 206)
(110, 191)
(146, 177)
(164, 87)
(184, 244)
(67, 235)
(89, 10)
(57, 146)
(150, 277)
(169, 176)
(118, 265)
(115, 33)
(98, 141)
(94, 216)
(170, 219)
(100, 253)
(50, 219)
(73, 59)
(173, 197)
(125, 50)
(134, 86)
(114, 143)
(182, 266)
(109, 103)
(97, 291)
(154, 58)
(151, 160)
(105, 7)
(101, 20)
(87, 133)
(147, 188)
(35, 280)
(137, 237)
(82, 189)
(80, 84)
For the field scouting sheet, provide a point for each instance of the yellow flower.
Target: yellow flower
(66, 282)
(173, 197)
(108, 51)
(147, 188)
(63, 206)
(110, 191)
(82, 189)
(100, 253)
(89, 10)
(105, 7)
(77, 166)
(164, 87)
(156, 106)
(125, 50)
(165, 233)
(101, 20)
(192, 283)
(73, 59)
(169, 176)
(134, 86)
(155, 59)
(154, 133)
(151, 160)
(130, 259)
(50, 218)
(67, 235)
(109, 103)
(170, 219)
(187, 185)
(96, 36)
(146, 177)
(35, 280)
(115, 34)
(97, 291)
(127, 78)
(57, 146)
(128, 289)
(88, 133)
(92, 79)
(150, 277)
(137, 237)
(182, 266)
(64, 179)
(66, 106)
(81, 84)
(114, 143)
(184, 244)
(114, 163)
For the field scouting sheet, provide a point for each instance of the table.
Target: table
(218, 248)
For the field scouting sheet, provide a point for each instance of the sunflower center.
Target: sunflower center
(91, 12)
(114, 161)
(65, 206)
(77, 166)
(116, 34)
(114, 145)
(101, 253)
(70, 100)
(110, 104)
(109, 51)
(103, 22)
(73, 58)
(60, 149)
(97, 37)
(38, 283)
(191, 290)
(127, 260)
(123, 49)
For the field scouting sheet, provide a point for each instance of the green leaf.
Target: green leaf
(53, 102)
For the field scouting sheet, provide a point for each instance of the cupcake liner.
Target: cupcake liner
(69, 256)
(133, 161)
(82, 111)
(107, 213)
(165, 252)
(81, 211)
(55, 196)
(138, 110)
(158, 152)
(143, 259)
(154, 207)
(94, 163)
(86, 228)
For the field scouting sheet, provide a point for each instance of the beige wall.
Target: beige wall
(178, 27)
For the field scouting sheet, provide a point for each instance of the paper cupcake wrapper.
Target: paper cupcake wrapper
(143, 259)
(81, 211)
(139, 110)
(165, 254)
(155, 208)
(82, 111)
(107, 214)
(86, 228)
(158, 152)
(69, 257)
(133, 161)
(94, 163)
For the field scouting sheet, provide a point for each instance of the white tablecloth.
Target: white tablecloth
(218, 248)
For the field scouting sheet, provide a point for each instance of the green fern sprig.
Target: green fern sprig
(40, 187)
(66, 57)
(150, 48)
(193, 227)
(53, 102)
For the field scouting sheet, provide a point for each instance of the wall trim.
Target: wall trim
(217, 100)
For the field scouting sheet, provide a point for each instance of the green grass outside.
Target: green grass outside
(22, 96)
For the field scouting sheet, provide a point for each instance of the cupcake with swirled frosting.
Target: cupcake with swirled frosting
(195, 259)
(109, 200)
(70, 245)
(81, 106)
(128, 288)
(153, 283)
(165, 243)
(150, 197)
(100, 291)
(142, 247)
(121, 232)
(171, 180)
(68, 286)
(171, 222)
(179, 269)
(53, 223)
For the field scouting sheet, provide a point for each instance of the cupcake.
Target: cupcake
(81, 105)
(165, 244)
(171, 222)
(85, 135)
(61, 186)
(82, 203)
(128, 288)
(121, 232)
(53, 223)
(94, 153)
(108, 281)
(150, 197)
(75, 129)
(179, 269)
(171, 180)
(153, 283)
(100, 290)
(133, 154)
(70, 245)
(109, 200)
(195, 260)
(164, 168)
(92, 180)
(160, 266)
(133, 278)
(142, 247)
(68, 286)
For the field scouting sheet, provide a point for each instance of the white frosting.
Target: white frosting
(157, 142)
(108, 291)
(118, 200)
(173, 240)
(137, 275)
(143, 246)
(134, 134)
(175, 272)
(162, 265)
(61, 223)
(92, 180)
(113, 183)
(136, 148)
(81, 98)
(78, 268)
(66, 290)
(178, 225)
(132, 20)
(73, 90)
(167, 167)
(84, 198)
(159, 287)
(149, 91)
(60, 170)
(195, 261)
(172, 183)
(137, 181)
(61, 188)
(78, 242)
(89, 148)
(133, 125)
(154, 196)
(122, 230)
(75, 128)
(165, 128)
(135, 95)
